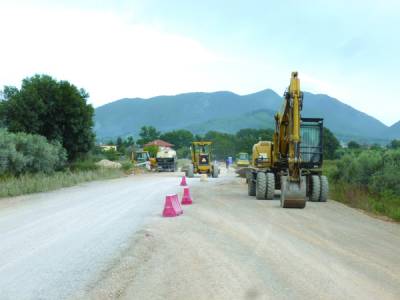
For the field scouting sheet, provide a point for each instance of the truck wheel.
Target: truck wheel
(324, 189)
(215, 172)
(270, 186)
(315, 188)
(251, 185)
(261, 186)
(190, 172)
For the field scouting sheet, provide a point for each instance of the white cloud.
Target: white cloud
(99, 51)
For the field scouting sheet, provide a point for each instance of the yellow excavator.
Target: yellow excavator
(293, 161)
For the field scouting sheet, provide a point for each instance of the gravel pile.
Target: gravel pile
(105, 163)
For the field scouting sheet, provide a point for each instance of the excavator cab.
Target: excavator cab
(311, 130)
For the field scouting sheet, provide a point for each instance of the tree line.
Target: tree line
(224, 144)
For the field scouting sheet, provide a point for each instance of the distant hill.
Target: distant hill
(126, 116)
(229, 112)
(256, 119)
(393, 131)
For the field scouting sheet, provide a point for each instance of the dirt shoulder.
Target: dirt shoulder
(230, 246)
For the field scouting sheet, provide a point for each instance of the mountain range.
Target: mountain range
(228, 112)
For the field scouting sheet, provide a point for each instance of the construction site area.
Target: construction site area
(110, 241)
(198, 228)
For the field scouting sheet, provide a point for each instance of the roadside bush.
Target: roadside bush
(29, 153)
(111, 155)
(369, 180)
(84, 165)
(127, 166)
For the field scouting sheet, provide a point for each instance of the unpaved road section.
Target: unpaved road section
(52, 245)
(230, 246)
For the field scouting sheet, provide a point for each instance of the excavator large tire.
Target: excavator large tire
(251, 188)
(324, 189)
(261, 186)
(315, 188)
(270, 186)
(190, 172)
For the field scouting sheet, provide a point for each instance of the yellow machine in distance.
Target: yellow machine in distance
(262, 155)
(201, 163)
(242, 160)
(293, 162)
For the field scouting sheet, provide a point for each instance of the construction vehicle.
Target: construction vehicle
(201, 162)
(141, 158)
(166, 160)
(242, 160)
(293, 161)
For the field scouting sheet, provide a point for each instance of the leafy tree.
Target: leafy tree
(395, 144)
(54, 109)
(179, 138)
(246, 138)
(129, 141)
(153, 149)
(120, 145)
(353, 145)
(331, 144)
(223, 144)
(375, 146)
(148, 134)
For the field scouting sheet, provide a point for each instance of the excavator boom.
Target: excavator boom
(287, 141)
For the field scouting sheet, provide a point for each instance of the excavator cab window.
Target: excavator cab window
(311, 142)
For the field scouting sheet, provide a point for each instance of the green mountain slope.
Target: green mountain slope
(393, 131)
(256, 119)
(126, 116)
(229, 112)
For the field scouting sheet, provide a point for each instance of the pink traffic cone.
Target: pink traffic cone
(169, 209)
(178, 207)
(183, 181)
(186, 199)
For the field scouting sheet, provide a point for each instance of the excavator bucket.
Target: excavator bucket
(293, 194)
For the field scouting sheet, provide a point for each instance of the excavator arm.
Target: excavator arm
(287, 141)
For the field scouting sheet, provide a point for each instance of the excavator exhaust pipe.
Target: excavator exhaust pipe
(293, 194)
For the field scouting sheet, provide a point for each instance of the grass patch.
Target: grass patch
(34, 183)
(357, 196)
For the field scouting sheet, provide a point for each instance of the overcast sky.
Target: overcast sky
(116, 49)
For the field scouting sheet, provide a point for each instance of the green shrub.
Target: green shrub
(111, 155)
(127, 166)
(369, 180)
(29, 153)
(83, 165)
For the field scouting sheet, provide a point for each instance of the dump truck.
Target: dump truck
(201, 160)
(292, 162)
(166, 160)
